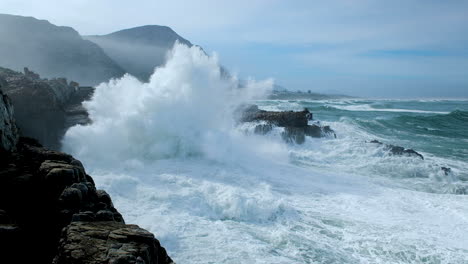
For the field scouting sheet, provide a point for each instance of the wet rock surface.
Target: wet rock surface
(296, 124)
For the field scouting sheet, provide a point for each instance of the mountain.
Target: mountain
(53, 51)
(139, 50)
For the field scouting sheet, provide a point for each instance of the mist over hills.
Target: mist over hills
(53, 51)
(58, 51)
(139, 50)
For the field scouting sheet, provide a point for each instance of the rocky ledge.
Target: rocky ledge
(109, 242)
(296, 124)
(50, 209)
(44, 109)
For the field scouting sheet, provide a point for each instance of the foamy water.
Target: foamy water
(176, 163)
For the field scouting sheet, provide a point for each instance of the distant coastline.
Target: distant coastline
(290, 95)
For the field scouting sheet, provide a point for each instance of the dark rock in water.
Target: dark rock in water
(397, 150)
(294, 135)
(263, 129)
(296, 124)
(109, 242)
(44, 109)
(446, 170)
(281, 119)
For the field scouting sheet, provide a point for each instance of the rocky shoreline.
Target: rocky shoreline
(51, 211)
(50, 207)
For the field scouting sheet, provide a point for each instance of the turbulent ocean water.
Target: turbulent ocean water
(175, 162)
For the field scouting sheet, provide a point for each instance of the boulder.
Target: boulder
(447, 171)
(44, 191)
(109, 242)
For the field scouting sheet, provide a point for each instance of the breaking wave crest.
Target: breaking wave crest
(184, 110)
(174, 161)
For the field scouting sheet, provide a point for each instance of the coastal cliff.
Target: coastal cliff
(44, 109)
(51, 211)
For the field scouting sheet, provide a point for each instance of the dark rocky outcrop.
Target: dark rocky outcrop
(296, 124)
(139, 50)
(8, 129)
(43, 191)
(44, 109)
(53, 51)
(108, 242)
(397, 150)
(282, 119)
(447, 171)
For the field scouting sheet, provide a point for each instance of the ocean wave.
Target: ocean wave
(175, 163)
(372, 109)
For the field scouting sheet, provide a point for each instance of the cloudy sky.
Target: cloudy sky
(397, 48)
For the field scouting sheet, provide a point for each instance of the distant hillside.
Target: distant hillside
(139, 50)
(53, 51)
(279, 93)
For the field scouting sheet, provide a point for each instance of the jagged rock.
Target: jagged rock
(109, 242)
(263, 129)
(105, 215)
(104, 198)
(8, 129)
(44, 109)
(86, 216)
(296, 124)
(397, 150)
(42, 192)
(71, 198)
(30, 74)
(446, 170)
(281, 119)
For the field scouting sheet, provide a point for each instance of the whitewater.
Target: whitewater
(175, 162)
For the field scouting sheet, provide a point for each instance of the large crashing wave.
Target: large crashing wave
(185, 108)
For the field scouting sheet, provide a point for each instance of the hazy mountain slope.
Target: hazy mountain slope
(138, 50)
(53, 51)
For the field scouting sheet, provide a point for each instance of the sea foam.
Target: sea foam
(174, 161)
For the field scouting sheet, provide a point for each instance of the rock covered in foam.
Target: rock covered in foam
(397, 150)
